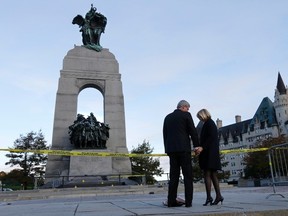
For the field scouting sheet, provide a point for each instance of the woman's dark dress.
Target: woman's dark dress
(209, 158)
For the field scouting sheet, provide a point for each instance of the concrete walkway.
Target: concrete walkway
(127, 202)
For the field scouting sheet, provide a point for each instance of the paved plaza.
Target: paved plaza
(109, 201)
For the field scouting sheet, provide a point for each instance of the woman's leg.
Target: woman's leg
(207, 181)
(215, 182)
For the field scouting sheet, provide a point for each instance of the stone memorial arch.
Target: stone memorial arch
(83, 68)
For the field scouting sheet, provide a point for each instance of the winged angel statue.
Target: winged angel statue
(92, 26)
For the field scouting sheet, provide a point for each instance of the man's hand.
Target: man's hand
(198, 150)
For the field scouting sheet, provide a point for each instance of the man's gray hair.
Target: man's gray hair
(183, 103)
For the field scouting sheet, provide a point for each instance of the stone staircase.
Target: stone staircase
(93, 191)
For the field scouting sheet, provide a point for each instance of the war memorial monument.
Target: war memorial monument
(89, 66)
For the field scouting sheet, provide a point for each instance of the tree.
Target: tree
(15, 179)
(224, 175)
(29, 162)
(145, 165)
(198, 174)
(257, 163)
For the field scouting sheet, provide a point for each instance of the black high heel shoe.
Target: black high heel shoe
(208, 200)
(217, 200)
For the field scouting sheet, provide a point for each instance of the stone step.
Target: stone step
(93, 191)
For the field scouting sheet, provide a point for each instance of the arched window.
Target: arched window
(91, 100)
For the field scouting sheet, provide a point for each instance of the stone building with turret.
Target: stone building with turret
(269, 120)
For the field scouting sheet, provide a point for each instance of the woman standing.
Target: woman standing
(209, 158)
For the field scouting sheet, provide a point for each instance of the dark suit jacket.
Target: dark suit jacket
(209, 158)
(178, 130)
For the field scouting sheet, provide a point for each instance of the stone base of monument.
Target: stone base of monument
(87, 171)
(93, 181)
(97, 181)
(90, 165)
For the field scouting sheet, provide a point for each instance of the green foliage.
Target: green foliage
(257, 163)
(30, 163)
(224, 175)
(147, 166)
(16, 180)
(198, 174)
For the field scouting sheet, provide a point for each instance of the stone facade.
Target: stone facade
(83, 68)
(270, 120)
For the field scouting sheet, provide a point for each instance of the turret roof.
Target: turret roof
(264, 114)
(280, 85)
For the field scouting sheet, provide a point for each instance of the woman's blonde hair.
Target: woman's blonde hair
(203, 115)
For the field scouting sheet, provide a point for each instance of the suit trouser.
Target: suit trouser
(180, 160)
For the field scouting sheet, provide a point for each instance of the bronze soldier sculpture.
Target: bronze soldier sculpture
(92, 26)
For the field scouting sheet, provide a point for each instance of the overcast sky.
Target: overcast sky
(223, 55)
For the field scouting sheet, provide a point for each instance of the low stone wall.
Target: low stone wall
(254, 182)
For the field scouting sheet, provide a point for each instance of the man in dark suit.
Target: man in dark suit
(178, 131)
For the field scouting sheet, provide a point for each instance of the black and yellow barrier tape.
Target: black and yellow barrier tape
(109, 154)
(230, 151)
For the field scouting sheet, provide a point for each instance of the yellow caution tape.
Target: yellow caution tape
(80, 153)
(108, 154)
(229, 151)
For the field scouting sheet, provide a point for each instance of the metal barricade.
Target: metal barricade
(278, 162)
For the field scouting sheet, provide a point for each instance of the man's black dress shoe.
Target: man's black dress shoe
(176, 204)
